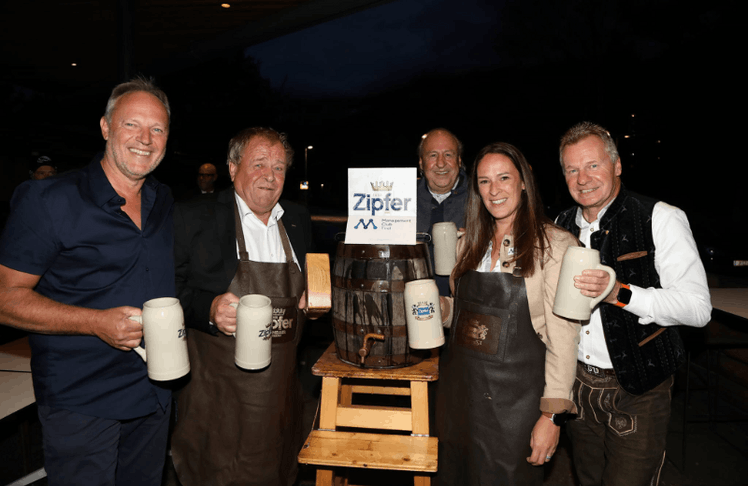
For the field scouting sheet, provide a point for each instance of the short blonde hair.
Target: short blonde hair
(138, 84)
(583, 130)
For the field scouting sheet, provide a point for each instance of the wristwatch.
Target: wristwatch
(624, 296)
(558, 418)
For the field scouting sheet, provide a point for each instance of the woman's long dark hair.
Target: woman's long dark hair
(530, 239)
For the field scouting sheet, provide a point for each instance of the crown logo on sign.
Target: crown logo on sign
(382, 186)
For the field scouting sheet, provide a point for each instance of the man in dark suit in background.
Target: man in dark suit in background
(206, 186)
(233, 426)
(207, 175)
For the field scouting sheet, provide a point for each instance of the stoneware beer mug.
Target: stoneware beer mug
(444, 236)
(423, 315)
(165, 339)
(254, 332)
(570, 302)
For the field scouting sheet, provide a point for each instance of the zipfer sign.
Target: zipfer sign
(381, 206)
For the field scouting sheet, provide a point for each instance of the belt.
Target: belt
(594, 370)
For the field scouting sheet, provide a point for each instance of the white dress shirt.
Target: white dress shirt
(441, 197)
(263, 241)
(684, 297)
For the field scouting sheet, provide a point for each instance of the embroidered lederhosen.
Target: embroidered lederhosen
(491, 379)
(245, 424)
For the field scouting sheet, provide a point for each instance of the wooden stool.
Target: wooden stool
(328, 446)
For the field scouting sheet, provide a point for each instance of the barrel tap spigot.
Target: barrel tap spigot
(364, 351)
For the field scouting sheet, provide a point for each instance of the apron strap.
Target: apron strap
(285, 242)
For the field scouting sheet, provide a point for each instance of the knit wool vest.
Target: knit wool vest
(643, 356)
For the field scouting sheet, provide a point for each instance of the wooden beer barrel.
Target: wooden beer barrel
(368, 282)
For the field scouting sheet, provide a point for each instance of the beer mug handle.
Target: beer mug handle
(235, 305)
(139, 350)
(611, 284)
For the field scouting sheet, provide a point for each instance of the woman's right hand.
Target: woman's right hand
(543, 441)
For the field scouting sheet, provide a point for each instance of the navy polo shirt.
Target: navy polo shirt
(71, 231)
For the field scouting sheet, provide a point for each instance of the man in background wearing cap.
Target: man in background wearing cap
(42, 168)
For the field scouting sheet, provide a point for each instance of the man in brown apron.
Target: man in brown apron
(234, 426)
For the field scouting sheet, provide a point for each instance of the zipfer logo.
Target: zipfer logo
(366, 225)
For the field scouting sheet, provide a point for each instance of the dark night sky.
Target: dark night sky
(363, 88)
(522, 72)
(380, 48)
(383, 47)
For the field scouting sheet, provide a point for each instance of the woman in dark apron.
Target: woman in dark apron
(511, 363)
(256, 440)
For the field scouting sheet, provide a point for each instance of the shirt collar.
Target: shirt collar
(103, 194)
(441, 197)
(244, 212)
(583, 223)
(99, 188)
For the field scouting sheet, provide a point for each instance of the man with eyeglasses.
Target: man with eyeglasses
(206, 178)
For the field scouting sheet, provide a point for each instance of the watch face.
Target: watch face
(560, 418)
(624, 295)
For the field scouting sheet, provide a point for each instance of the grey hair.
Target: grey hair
(137, 84)
(583, 130)
(423, 141)
(241, 139)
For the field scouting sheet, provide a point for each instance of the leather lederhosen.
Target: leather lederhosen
(491, 381)
(237, 427)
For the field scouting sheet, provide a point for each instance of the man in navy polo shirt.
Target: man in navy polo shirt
(80, 254)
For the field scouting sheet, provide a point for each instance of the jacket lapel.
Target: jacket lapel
(226, 230)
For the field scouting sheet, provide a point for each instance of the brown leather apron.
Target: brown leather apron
(237, 427)
(491, 380)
